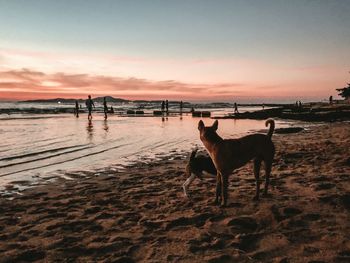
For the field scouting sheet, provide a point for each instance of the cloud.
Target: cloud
(31, 82)
(30, 74)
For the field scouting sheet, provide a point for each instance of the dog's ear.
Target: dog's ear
(215, 125)
(200, 125)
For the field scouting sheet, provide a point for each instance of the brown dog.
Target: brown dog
(231, 154)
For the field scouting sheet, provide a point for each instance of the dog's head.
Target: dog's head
(207, 132)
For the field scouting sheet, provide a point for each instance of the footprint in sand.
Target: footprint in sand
(329, 199)
(345, 199)
(276, 213)
(206, 242)
(28, 256)
(243, 224)
(310, 250)
(297, 223)
(324, 186)
(221, 259)
(343, 256)
(124, 259)
(311, 217)
(92, 210)
(320, 178)
(247, 242)
(291, 211)
(104, 215)
(198, 220)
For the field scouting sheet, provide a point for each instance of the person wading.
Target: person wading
(89, 104)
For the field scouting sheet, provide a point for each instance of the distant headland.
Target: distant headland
(69, 101)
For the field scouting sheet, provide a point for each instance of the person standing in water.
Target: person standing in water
(163, 106)
(89, 104)
(181, 106)
(105, 107)
(236, 107)
(76, 110)
(167, 107)
(331, 100)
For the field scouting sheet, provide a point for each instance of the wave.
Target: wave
(65, 161)
(43, 158)
(38, 153)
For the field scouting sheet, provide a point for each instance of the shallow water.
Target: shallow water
(37, 146)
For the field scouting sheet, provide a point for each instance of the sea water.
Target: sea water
(34, 146)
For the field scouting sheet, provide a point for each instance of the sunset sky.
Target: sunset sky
(225, 50)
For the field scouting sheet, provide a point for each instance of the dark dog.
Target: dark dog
(195, 167)
(231, 154)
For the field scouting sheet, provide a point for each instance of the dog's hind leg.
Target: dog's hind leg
(268, 165)
(218, 188)
(224, 186)
(257, 165)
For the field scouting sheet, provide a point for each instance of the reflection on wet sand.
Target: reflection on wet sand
(105, 125)
(90, 129)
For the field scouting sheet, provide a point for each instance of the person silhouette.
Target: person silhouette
(163, 106)
(105, 107)
(167, 106)
(89, 104)
(236, 107)
(76, 110)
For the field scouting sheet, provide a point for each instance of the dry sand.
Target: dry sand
(141, 214)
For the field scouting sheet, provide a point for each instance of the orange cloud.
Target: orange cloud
(32, 84)
(184, 78)
(29, 84)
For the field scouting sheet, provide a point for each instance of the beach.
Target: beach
(139, 214)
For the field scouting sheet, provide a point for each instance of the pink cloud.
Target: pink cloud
(65, 85)
(67, 74)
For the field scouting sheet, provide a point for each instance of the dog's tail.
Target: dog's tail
(272, 127)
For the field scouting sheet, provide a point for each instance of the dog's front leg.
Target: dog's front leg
(224, 185)
(218, 188)
(186, 184)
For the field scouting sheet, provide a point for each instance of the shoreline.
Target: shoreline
(310, 112)
(140, 213)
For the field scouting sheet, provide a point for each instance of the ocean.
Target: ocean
(37, 147)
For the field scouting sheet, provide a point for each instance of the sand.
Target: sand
(141, 215)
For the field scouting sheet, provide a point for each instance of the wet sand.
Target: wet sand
(140, 214)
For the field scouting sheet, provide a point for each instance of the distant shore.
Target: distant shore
(140, 213)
